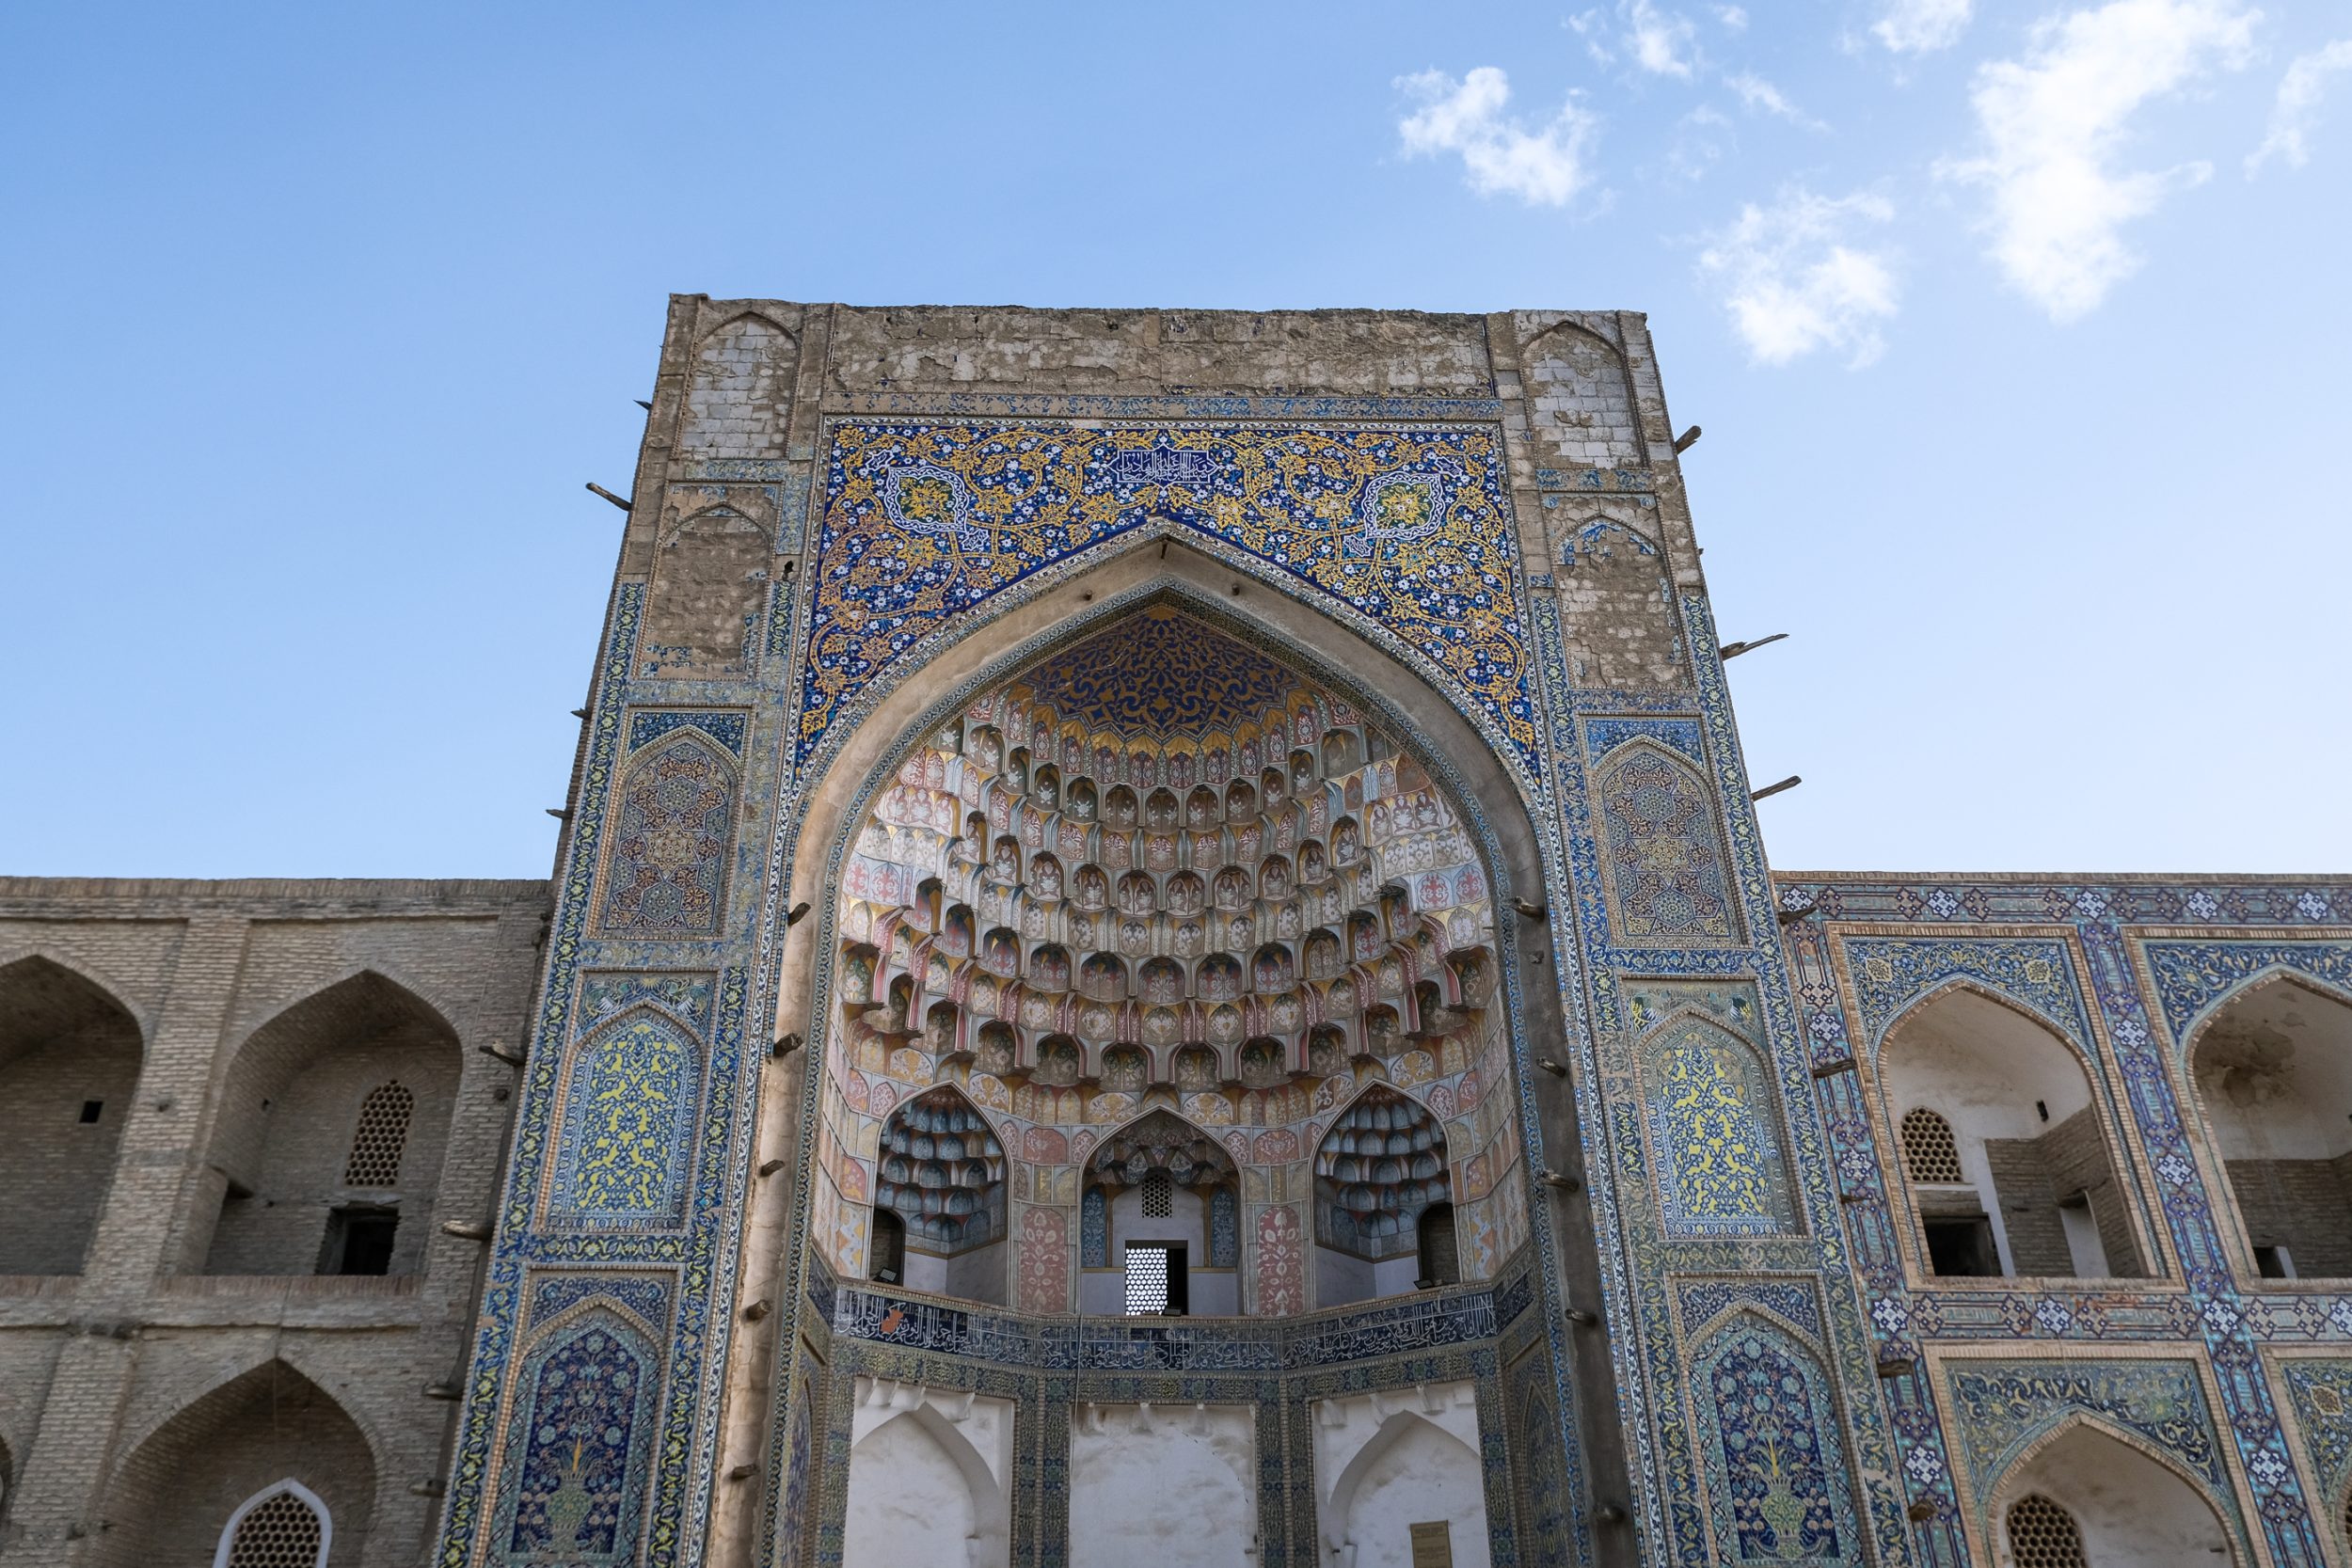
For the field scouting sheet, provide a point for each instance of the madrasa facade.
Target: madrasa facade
(1161, 953)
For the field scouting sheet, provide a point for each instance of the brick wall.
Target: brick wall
(142, 1401)
(2029, 1202)
(177, 1490)
(2076, 1151)
(2301, 1205)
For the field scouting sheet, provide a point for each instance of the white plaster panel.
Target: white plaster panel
(1171, 1486)
(930, 1478)
(1387, 1462)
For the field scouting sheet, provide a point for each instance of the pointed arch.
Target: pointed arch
(70, 1055)
(1382, 1161)
(2268, 1072)
(1990, 990)
(1450, 1472)
(739, 391)
(1718, 1148)
(2131, 1501)
(1583, 397)
(1771, 1444)
(313, 1063)
(670, 830)
(708, 595)
(632, 1092)
(2039, 1191)
(284, 1524)
(1664, 859)
(859, 751)
(881, 1486)
(579, 1442)
(181, 1484)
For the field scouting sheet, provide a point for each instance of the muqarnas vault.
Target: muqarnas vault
(1161, 953)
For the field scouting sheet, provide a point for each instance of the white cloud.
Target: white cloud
(1793, 282)
(2053, 123)
(2296, 111)
(1922, 26)
(1756, 94)
(1655, 40)
(1733, 18)
(1500, 157)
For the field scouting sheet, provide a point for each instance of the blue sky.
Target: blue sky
(2017, 333)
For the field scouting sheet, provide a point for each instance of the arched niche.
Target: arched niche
(2039, 1194)
(2273, 1074)
(940, 1172)
(1663, 851)
(1115, 873)
(1163, 1183)
(1716, 1141)
(579, 1446)
(1379, 1167)
(709, 596)
(70, 1054)
(173, 1496)
(1415, 1470)
(301, 1140)
(929, 1480)
(902, 713)
(738, 396)
(630, 1091)
(2127, 1504)
(1773, 1446)
(671, 820)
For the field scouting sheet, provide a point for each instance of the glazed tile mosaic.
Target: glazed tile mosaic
(1422, 1006)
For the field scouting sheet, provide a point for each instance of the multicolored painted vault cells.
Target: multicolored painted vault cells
(1061, 781)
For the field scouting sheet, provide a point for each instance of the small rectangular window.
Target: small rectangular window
(1155, 1279)
(2274, 1262)
(359, 1241)
(92, 1110)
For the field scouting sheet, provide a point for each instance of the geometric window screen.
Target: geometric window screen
(2043, 1535)
(1158, 1196)
(381, 1136)
(1928, 1151)
(281, 1532)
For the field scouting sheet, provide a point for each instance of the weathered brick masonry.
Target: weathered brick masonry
(167, 1344)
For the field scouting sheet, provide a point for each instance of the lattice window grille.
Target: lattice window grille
(1147, 1280)
(1159, 1199)
(2043, 1535)
(282, 1530)
(1928, 1148)
(381, 1138)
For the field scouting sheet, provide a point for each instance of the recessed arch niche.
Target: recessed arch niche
(1158, 867)
(2273, 1074)
(70, 1056)
(1974, 1085)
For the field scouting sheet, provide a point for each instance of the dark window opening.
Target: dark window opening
(1962, 1247)
(1155, 1279)
(1440, 1257)
(91, 1111)
(2274, 1263)
(888, 1250)
(358, 1239)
